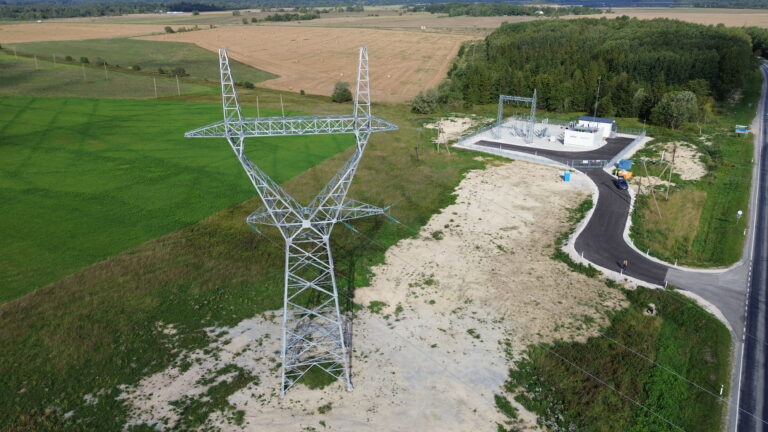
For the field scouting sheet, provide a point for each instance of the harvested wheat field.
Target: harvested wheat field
(475, 282)
(729, 17)
(313, 59)
(39, 32)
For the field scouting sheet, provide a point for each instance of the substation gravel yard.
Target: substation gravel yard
(478, 276)
(37, 32)
(313, 59)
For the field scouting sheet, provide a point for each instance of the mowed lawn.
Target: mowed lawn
(148, 55)
(83, 179)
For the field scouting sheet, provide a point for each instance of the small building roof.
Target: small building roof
(597, 119)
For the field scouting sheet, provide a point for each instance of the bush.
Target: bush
(341, 92)
(179, 71)
(301, 92)
(136, 68)
(248, 85)
(245, 21)
(98, 61)
(169, 29)
(236, 13)
(254, 20)
(84, 60)
(161, 71)
(195, 13)
(69, 58)
(425, 102)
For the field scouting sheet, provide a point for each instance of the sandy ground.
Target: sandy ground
(451, 128)
(646, 182)
(477, 277)
(729, 17)
(687, 161)
(313, 59)
(37, 32)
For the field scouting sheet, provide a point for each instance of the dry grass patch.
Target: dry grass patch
(314, 59)
(39, 32)
(729, 17)
(678, 224)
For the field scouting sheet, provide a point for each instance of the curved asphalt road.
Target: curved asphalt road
(602, 240)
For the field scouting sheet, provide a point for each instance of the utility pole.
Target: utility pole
(597, 98)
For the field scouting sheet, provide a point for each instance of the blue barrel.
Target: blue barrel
(567, 176)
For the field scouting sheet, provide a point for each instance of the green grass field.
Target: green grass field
(682, 340)
(20, 77)
(84, 179)
(149, 55)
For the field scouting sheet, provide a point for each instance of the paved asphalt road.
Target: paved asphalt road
(602, 240)
(754, 389)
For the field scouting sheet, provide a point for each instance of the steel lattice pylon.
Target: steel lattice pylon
(313, 327)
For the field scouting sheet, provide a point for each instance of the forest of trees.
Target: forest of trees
(635, 62)
(501, 9)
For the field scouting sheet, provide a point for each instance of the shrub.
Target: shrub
(161, 71)
(254, 20)
(425, 102)
(179, 71)
(341, 92)
(169, 29)
(136, 67)
(84, 60)
(248, 85)
(98, 61)
(69, 58)
(301, 92)
(245, 21)
(236, 13)
(195, 12)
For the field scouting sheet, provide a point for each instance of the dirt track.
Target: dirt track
(313, 59)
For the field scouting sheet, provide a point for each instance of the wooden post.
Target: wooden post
(258, 114)
(178, 88)
(54, 60)
(154, 81)
(106, 73)
(653, 193)
(282, 108)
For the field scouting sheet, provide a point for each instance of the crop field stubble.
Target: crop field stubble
(35, 32)
(314, 59)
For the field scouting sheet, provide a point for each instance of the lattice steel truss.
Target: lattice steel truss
(531, 121)
(313, 327)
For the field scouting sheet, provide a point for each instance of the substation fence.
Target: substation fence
(635, 142)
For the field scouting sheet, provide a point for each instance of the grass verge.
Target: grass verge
(680, 340)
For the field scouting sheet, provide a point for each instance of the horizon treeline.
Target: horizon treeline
(635, 63)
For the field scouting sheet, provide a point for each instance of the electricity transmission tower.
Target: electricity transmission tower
(531, 121)
(313, 328)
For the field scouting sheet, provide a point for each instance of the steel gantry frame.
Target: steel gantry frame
(312, 327)
(531, 118)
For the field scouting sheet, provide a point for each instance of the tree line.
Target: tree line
(637, 64)
(501, 9)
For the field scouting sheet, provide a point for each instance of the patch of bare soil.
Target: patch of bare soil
(313, 59)
(642, 184)
(687, 160)
(475, 286)
(451, 128)
(38, 32)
